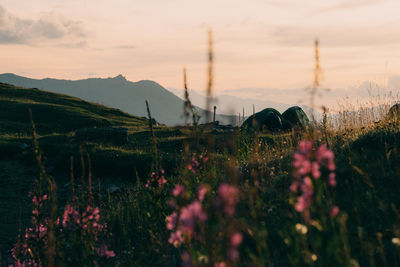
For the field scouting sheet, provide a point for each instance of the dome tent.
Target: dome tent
(268, 119)
(296, 117)
(271, 120)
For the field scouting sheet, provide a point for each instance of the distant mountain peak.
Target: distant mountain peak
(120, 77)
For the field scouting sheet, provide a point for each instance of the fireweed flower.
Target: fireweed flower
(227, 197)
(36, 237)
(235, 240)
(103, 251)
(176, 238)
(193, 165)
(190, 215)
(196, 162)
(335, 211)
(172, 221)
(308, 165)
(187, 218)
(178, 190)
(187, 221)
(201, 192)
(157, 178)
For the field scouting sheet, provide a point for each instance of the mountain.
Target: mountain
(118, 93)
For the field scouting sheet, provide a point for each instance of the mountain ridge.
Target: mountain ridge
(118, 92)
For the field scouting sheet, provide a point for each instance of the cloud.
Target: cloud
(15, 30)
(125, 47)
(355, 3)
(79, 44)
(337, 36)
(348, 4)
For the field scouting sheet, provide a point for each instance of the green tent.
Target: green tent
(268, 119)
(296, 117)
(394, 112)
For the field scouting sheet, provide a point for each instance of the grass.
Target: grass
(257, 170)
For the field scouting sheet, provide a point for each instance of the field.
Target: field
(194, 195)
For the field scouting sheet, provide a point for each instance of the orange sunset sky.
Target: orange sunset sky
(258, 43)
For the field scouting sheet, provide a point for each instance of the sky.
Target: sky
(257, 43)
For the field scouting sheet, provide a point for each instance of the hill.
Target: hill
(119, 93)
(55, 113)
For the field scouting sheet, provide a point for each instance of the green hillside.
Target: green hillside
(57, 117)
(56, 113)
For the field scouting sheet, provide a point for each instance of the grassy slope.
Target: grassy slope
(56, 118)
(56, 113)
(368, 173)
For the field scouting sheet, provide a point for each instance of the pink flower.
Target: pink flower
(236, 239)
(294, 187)
(35, 201)
(190, 215)
(201, 192)
(324, 155)
(96, 211)
(172, 203)
(335, 211)
(104, 252)
(315, 170)
(228, 196)
(220, 264)
(298, 159)
(305, 146)
(301, 204)
(176, 238)
(307, 184)
(194, 164)
(161, 181)
(178, 190)
(172, 220)
(233, 254)
(305, 167)
(332, 180)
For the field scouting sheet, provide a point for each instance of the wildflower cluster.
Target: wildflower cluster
(227, 198)
(86, 224)
(157, 179)
(189, 219)
(309, 167)
(72, 223)
(196, 163)
(28, 252)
